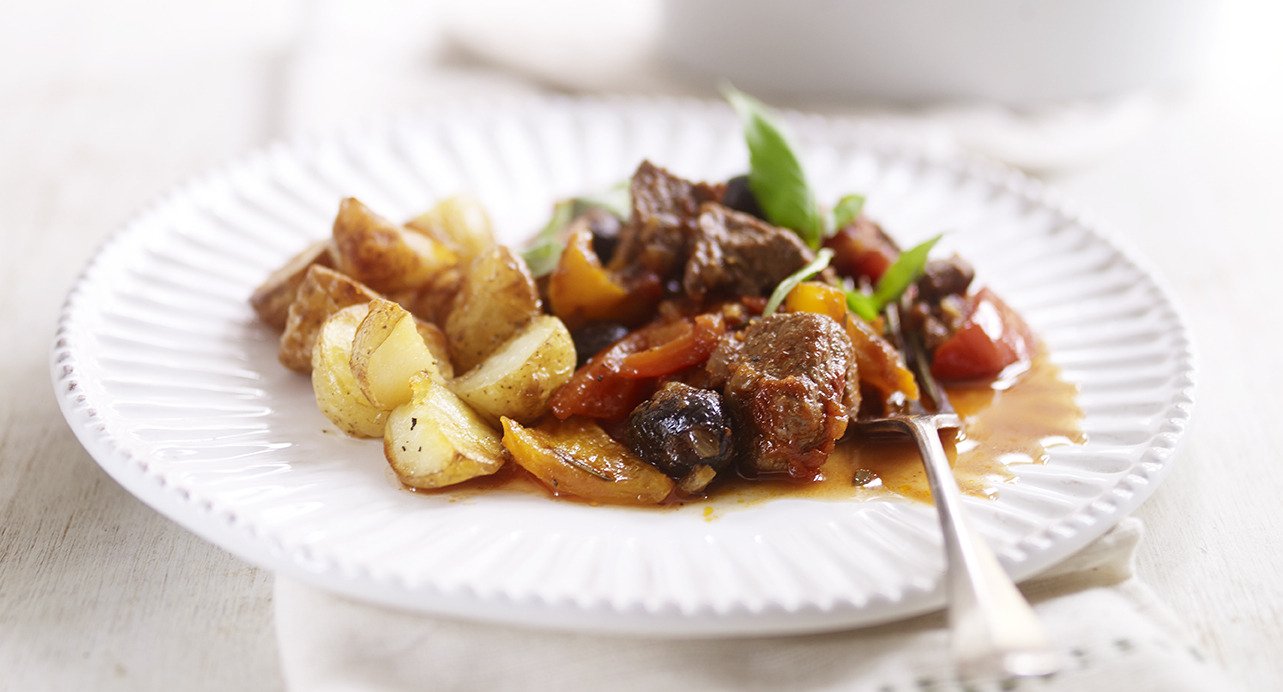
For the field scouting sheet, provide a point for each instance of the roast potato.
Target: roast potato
(322, 293)
(436, 440)
(387, 350)
(517, 380)
(272, 299)
(576, 457)
(498, 297)
(435, 340)
(384, 255)
(338, 394)
(460, 222)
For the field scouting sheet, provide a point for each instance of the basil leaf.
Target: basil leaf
(847, 210)
(894, 282)
(863, 304)
(774, 173)
(616, 199)
(815, 266)
(545, 250)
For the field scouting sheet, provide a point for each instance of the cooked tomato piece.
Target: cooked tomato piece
(862, 250)
(992, 338)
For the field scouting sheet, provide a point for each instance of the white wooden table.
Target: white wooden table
(103, 107)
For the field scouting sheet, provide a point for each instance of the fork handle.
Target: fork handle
(994, 630)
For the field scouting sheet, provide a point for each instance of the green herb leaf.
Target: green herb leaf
(894, 282)
(815, 266)
(545, 250)
(847, 210)
(775, 175)
(616, 199)
(863, 304)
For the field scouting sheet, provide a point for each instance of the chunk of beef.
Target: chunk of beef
(684, 432)
(738, 254)
(788, 387)
(946, 277)
(665, 207)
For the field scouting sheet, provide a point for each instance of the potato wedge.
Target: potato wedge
(436, 440)
(576, 457)
(383, 255)
(435, 339)
(434, 301)
(272, 299)
(387, 350)
(460, 222)
(517, 380)
(322, 293)
(497, 298)
(338, 394)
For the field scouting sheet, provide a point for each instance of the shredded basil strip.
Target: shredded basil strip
(894, 282)
(545, 250)
(815, 266)
(775, 175)
(847, 210)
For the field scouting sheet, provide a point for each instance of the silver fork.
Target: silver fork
(994, 631)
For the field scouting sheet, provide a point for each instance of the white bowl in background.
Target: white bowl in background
(1018, 52)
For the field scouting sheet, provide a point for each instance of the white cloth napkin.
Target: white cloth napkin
(1115, 634)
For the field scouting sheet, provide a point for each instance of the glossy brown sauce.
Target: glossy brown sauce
(1014, 420)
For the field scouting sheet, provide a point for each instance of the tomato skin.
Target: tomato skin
(992, 338)
(860, 250)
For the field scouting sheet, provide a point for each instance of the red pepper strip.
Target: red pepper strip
(691, 346)
(596, 390)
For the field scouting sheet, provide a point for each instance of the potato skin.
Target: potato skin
(437, 440)
(459, 221)
(518, 379)
(436, 341)
(387, 350)
(272, 299)
(322, 293)
(384, 255)
(498, 297)
(338, 394)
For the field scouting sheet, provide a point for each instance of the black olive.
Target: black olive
(684, 432)
(739, 197)
(593, 337)
(605, 232)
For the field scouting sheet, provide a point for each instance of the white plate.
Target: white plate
(174, 389)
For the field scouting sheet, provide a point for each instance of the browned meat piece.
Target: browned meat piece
(657, 237)
(738, 254)
(946, 277)
(789, 386)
